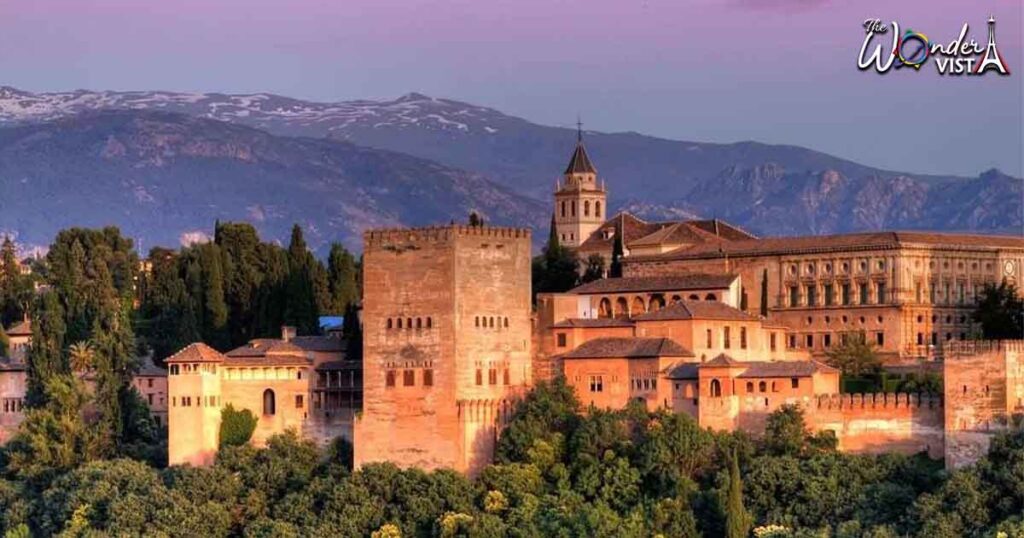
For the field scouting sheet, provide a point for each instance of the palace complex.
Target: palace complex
(707, 319)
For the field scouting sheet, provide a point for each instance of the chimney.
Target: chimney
(287, 333)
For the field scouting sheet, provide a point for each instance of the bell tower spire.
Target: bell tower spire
(580, 202)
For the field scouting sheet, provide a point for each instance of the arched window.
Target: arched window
(597, 209)
(430, 322)
(638, 306)
(750, 387)
(408, 323)
(657, 302)
(716, 388)
(694, 297)
(399, 323)
(604, 309)
(573, 207)
(390, 323)
(762, 386)
(269, 403)
(676, 299)
(710, 297)
(506, 323)
(491, 322)
(621, 308)
(476, 321)
(586, 208)
(419, 323)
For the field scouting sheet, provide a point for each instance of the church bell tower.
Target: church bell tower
(580, 203)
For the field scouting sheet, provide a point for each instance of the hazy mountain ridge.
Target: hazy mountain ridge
(161, 175)
(770, 189)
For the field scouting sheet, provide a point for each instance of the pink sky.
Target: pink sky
(780, 71)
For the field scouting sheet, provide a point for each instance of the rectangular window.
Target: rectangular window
(794, 382)
(492, 377)
(917, 292)
(827, 338)
(846, 293)
(711, 343)
(946, 293)
(149, 382)
(725, 337)
(428, 378)
(408, 378)
(961, 292)
(299, 403)
(880, 338)
(479, 377)
(810, 341)
(792, 341)
(829, 295)
(935, 339)
(880, 297)
(596, 383)
(920, 339)
(561, 340)
(794, 296)
(771, 340)
(149, 397)
(743, 338)
(507, 377)
(863, 293)
(812, 295)
(932, 292)
(389, 378)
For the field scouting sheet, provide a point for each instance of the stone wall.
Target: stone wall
(876, 423)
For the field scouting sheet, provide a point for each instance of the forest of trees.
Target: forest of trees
(559, 472)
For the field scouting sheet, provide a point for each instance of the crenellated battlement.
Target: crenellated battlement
(879, 401)
(388, 236)
(964, 348)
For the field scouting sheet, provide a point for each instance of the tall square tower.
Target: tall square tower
(446, 336)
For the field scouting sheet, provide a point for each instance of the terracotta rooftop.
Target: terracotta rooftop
(771, 246)
(592, 322)
(655, 283)
(677, 233)
(696, 310)
(260, 347)
(629, 348)
(722, 229)
(339, 365)
(22, 328)
(269, 360)
(197, 352)
(324, 344)
(722, 360)
(623, 223)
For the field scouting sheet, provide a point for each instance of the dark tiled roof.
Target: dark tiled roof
(630, 348)
(319, 343)
(269, 360)
(22, 328)
(8, 364)
(580, 161)
(722, 229)
(148, 369)
(685, 370)
(677, 233)
(830, 243)
(599, 322)
(631, 228)
(655, 283)
(339, 365)
(696, 310)
(197, 352)
(785, 369)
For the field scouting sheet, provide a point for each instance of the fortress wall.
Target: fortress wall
(875, 423)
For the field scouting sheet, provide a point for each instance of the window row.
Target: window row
(807, 295)
(762, 386)
(409, 377)
(727, 338)
(811, 268)
(490, 322)
(13, 405)
(933, 339)
(410, 323)
(623, 307)
(643, 384)
(827, 340)
(199, 401)
(569, 208)
(492, 377)
(192, 368)
(949, 319)
(948, 293)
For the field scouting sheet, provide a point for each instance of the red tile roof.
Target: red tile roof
(22, 328)
(580, 161)
(260, 347)
(197, 352)
(786, 369)
(697, 281)
(628, 348)
(269, 360)
(591, 322)
(683, 310)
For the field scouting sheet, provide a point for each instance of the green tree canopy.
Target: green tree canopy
(1000, 312)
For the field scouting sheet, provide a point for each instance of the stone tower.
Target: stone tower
(193, 417)
(580, 203)
(446, 343)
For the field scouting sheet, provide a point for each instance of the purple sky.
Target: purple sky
(780, 71)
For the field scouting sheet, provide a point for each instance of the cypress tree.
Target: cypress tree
(764, 293)
(615, 271)
(737, 521)
(301, 310)
(214, 305)
(342, 278)
(5, 343)
(46, 356)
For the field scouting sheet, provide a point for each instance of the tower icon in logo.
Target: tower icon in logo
(992, 58)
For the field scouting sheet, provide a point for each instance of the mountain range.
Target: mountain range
(340, 167)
